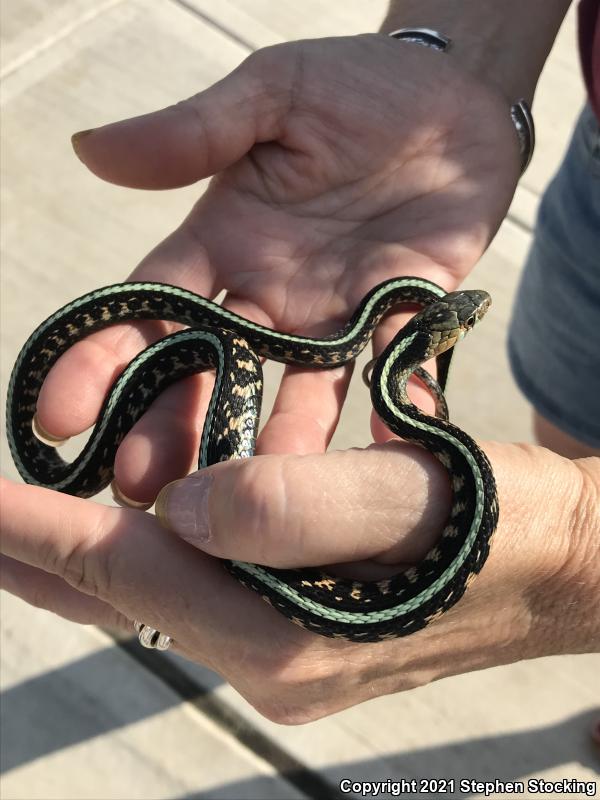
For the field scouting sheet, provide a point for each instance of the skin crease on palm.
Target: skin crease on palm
(335, 171)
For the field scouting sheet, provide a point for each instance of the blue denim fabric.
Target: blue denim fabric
(554, 338)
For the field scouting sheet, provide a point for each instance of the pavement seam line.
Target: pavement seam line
(64, 32)
(222, 714)
(213, 23)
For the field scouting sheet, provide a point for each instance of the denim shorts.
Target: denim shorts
(554, 337)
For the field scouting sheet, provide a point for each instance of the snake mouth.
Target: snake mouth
(483, 308)
(448, 341)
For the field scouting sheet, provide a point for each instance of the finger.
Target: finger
(125, 558)
(164, 444)
(387, 502)
(308, 403)
(195, 138)
(73, 393)
(43, 590)
(306, 411)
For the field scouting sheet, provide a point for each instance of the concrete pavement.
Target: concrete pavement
(83, 718)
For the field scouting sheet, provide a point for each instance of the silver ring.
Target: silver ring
(424, 36)
(520, 113)
(151, 638)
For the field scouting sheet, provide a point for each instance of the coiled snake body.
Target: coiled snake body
(216, 338)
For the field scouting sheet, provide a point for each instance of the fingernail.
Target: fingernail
(121, 499)
(77, 137)
(182, 506)
(42, 434)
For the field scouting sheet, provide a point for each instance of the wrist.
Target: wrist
(550, 535)
(496, 42)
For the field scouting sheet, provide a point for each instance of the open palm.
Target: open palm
(338, 163)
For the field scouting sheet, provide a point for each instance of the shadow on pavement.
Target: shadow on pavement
(93, 696)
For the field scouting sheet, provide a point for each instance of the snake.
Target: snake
(218, 339)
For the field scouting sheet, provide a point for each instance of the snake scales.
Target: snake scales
(218, 339)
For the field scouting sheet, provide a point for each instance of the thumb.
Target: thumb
(197, 137)
(388, 502)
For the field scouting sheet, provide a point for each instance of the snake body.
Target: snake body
(217, 338)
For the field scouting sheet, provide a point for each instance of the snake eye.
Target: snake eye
(471, 321)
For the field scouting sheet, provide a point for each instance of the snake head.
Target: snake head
(449, 319)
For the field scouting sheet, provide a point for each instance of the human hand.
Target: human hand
(338, 163)
(538, 593)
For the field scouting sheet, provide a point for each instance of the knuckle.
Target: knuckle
(272, 72)
(258, 505)
(264, 59)
(85, 565)
(79, 571)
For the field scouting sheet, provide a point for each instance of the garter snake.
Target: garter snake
(216, 338)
